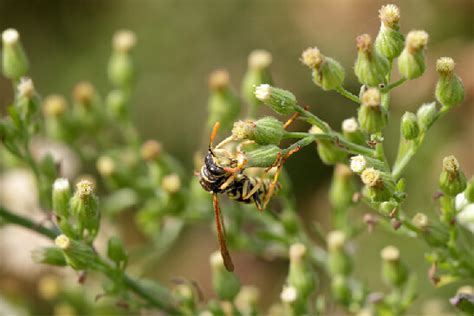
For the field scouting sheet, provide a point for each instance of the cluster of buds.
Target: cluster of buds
(327, 72)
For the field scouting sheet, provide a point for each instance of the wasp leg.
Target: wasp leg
(246, 195)
(291, 120)
(272, 187)
(221, 235)
(228, 181)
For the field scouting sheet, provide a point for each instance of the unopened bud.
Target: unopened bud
(78, 255)
(339, 262)
(225, 283)
(341, 290)
(54, 106)
(121, 70)
(15, 62)
(420, 221)
(49, 255)
(342, 187)
(327, 72)
(351, 131)
(223, 103)
(281, 101)
(84, 205)
(411, 62)
(372, 116)
(358, 163)
(300, 275)
(257, 73)
(449, 88)
(409, 126)
(389, 41)
(393, 272)
(328, 151)
(171, 183)
(150, 150)
(263, 156)
(116, 252)
(61, 197)
(452, 180)
(106, 166)
(371, 68)
(426, 114)
(247, 300)
(84, 94)
(116, 103)
(267, 130)
(124, 41)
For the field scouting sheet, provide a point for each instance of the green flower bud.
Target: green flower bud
(411, 62)
(15, 62)
(106, 166)
(247, 300)
(342, 187)
(292, 300)
(426, 114)
(388, 207)
(171, 183)
(340, 289)
(329, 152)
(84, 206)
(49, 255)
(435, 235)
(469, 192)
(225, 283)
(449, 88)
(116, 252)
(54, 110)
(352, 132)
(390, 41)
(186, 297)
(263, 156)
(27, 101)
(257, 73)
(151, 150)
(267, 130)
(372, 116)
(281, 101)
(301, 276)
(378, 188)
(78, 255)
(121, 70)
(358, 163)
(393, 272)
(116, 103)
(409, 126)
(339, 262)
(327, 72)
(371, 68)
(61, 197)
(223, 103)
(452, 180)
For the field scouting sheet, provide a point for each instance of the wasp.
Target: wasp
(222, 173)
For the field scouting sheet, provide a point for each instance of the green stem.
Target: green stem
(159, 301)
(393, 85)
(342, 91)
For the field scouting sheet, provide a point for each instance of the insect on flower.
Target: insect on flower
(222, 172)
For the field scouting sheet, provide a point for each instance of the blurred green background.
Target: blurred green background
(181, 42)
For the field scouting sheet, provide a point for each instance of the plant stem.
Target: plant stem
(132, 284)
(342, 91)
(393, 85)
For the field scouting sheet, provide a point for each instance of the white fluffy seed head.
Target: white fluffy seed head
(61, 184)
(26, 88)
(263, 92)
(312, 57)
(390, 253)
(358, 163)
(389, 15)
(350, 125)
(62, 241)
(416, 40)
(124, 41)
(289, 294)
(259, 59)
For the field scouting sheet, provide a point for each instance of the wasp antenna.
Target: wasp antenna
(220, 234)
(214, 133)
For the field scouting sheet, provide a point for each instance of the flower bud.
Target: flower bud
(358, 163)
(15, 62)
(388, 208)
(393, 272)
(420, 221)
(267, 130)
(171, 183)
(281, 101)
(223, 103)
(372, 116)
(116, 252)
(409, 126)
(27, 101)
(426, 114)
(327, 72)
(84, 206)
(301, 276)
(225, 283)
(257, 73)
(151, 150)
(352, 132)
(263, 156)
(84, 95)
(390, 41)
(105, 166)
(61, 197)
(339, 262)
(247, 300)
(377, 187)
(342, 187)
(54, 106)
(49, 255)
(452, 180)
(121, 70)
(186, 297)
(449, 88)
(371, 68)
(411, 62)
(49, 286)
(78, 255)
(434, 235)
(116, 103)
(329, 152)
(340, 289)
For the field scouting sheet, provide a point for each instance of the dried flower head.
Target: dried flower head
(84, 188)
(371, 97)
(371, 177)
(451, 164)
(416, 41)
(219, 79)
(389, 15)
(124, 41)
(259, 59)
(312, 57)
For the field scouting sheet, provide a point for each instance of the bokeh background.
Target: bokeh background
(179, 44)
